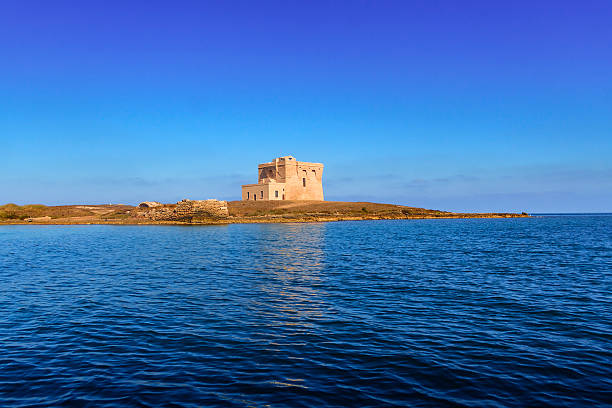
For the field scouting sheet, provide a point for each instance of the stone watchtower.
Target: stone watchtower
(285, 178)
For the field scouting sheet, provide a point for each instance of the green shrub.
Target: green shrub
(11, 215)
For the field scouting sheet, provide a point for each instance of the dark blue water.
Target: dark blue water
(506, 312)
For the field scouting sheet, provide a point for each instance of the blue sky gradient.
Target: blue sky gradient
(465, 106)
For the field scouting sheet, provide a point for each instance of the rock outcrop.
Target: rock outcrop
(185, 211)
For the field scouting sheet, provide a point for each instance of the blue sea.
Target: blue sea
(420, 313)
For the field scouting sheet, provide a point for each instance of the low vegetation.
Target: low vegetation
(239, 211)
(17, 212)
(33, 212)
(326, 209)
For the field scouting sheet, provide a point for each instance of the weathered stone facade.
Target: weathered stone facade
(185, 211)
(285, 178)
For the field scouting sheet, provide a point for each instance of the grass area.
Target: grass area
(22, 212)
(325, 208)
(118, 213)
(322, 210)
(239, 211)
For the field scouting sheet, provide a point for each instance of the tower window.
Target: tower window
(262, 194)
(248, 194)
(276, 193)
(304, 182)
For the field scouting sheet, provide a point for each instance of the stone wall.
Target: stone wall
(186, 211)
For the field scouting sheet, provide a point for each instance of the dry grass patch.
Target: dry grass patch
(17, 212)
(325, 208)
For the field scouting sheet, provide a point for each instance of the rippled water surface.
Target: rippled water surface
(500, 312)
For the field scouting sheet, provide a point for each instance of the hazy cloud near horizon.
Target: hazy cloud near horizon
(532, 189)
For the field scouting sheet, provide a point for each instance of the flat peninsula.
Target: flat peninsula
(238, 212)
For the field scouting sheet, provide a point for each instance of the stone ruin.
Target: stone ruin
(149, 204)
(183, 211)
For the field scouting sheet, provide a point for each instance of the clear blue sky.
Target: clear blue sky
(470, 106)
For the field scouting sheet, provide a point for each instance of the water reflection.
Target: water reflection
(292, 247)
(291, 259)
